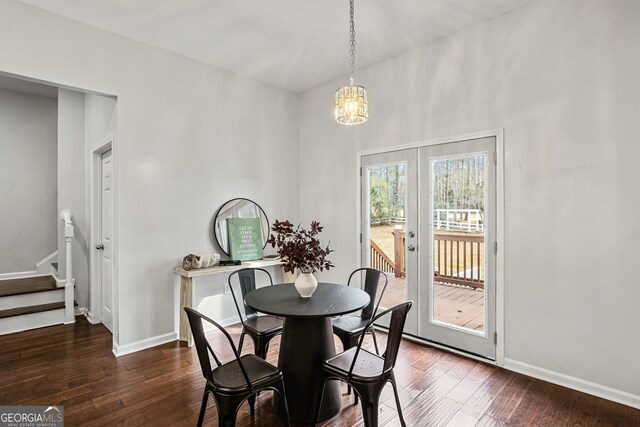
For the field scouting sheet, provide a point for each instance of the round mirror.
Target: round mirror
(238, 208)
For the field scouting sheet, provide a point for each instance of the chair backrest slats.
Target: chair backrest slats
(396, 326)
(202, 345)
(394, 336)
(247, 281)
(371, 283)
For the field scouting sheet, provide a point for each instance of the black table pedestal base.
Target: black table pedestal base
(306, 343)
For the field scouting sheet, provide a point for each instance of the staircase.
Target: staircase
(29, 303)
(41, 299)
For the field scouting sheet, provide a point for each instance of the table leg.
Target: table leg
(186, 298)
(305, 345)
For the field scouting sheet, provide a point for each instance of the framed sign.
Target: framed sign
(245, 239)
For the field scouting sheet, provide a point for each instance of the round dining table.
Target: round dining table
(307, 341)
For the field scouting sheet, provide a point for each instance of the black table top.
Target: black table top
(329, 299)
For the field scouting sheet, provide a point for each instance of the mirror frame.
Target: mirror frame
(215, 222)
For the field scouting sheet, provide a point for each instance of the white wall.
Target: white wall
(71, 188)
(561, 77)
(27, 180)
(189, 137)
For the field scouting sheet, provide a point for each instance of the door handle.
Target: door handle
(99, 247)
(412, 234)
(411, 248)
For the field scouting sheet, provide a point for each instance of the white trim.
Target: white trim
(25, 322)
(500, 241)
(21, 275)
(574, 383)
(444, 347)
(80, 311)
(229, 321)
(436, 141)
(94, 308)
(121, 350)
(44, 266)
(87, 315)
(500, 212)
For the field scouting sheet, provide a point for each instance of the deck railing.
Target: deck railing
(458, 264)
(380, 260)
(458, 259)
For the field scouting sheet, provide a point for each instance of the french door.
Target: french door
(429, 222)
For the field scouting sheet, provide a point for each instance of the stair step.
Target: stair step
(27, 285)
(55, 265)
(31, 309)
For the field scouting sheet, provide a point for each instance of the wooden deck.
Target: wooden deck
(456, 305)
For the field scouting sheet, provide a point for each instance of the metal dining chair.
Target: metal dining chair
(366, 372)
(233, 382)
(349, 328)
(261, 329)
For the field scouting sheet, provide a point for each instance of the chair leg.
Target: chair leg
(203, 407)
(284, 407)
(259, 344)
(370, 394)
(375, 341)
(392, 380)
(316, 411)
(227, 410)
(252, 403)
(242, 334)
(347, 343)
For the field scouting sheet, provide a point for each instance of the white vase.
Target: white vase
(306, 284)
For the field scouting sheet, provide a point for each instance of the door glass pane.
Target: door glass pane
(458, 201)
(387, 203)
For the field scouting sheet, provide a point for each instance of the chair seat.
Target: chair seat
(264, 324)
(229, 376)
(352, 325)
(368, 367)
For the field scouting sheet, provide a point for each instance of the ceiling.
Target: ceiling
(293, 44)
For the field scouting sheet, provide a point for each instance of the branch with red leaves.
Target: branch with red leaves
(299, 248)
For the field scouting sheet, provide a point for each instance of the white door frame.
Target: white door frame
(499, 135)
(95, 291)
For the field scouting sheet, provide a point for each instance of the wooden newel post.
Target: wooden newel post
(398, 250)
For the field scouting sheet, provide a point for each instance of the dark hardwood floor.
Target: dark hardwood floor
(72, 365)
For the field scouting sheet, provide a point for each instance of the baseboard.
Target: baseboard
(80, 311)
(121, 350)
(87, 314)
(574, 383)
(229, 321)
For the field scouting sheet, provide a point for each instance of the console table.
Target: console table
(186, 287)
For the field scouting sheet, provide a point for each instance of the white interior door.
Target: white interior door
(106, 245)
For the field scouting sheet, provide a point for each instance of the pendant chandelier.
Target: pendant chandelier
(351, 101)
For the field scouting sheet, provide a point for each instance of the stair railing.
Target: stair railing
(68, 286)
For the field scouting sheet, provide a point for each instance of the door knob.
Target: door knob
(411, 248)
(412, 234)
(100, 247)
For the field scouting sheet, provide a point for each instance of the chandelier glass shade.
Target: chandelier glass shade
(351, 105)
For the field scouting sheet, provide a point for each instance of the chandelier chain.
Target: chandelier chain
(352, 43)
